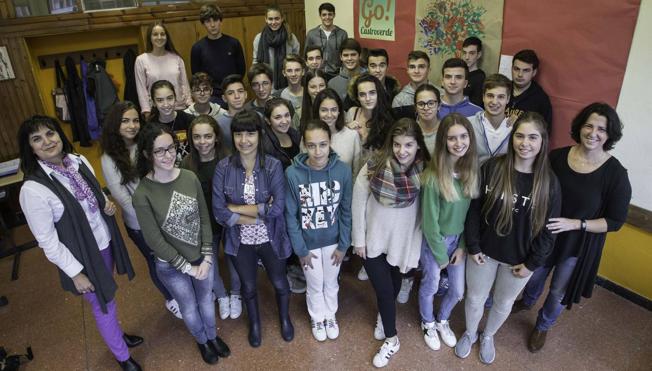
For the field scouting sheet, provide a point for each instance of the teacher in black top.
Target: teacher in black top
(595, 196)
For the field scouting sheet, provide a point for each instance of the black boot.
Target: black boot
(254, 322)
(130, 365)
(132, 340)
(287, 330)
(219, 347)
(207, 353)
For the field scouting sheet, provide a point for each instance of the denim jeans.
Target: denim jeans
(137, 237)
(552, 307)
(246, 263)
(194, 298)
(386, 281)
(234, 279)
(430, 282)
(479, 280)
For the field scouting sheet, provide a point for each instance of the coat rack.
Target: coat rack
(114, 52)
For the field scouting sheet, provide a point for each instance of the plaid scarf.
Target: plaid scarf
(80, 188)
(395, 188)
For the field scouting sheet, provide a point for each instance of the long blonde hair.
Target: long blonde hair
(503, 182)
(440, 170)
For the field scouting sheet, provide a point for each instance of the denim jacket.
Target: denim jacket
(228, 187)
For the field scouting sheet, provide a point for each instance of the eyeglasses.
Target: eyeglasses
(257, 85)
(160, 152)
(202, 91)
(429, 104)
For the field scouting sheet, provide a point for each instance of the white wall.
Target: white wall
(635, 109)
(343, 14)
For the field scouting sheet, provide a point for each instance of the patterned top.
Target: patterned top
(252, 234)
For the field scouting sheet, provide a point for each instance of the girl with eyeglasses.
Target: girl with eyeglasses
(426, 101)
(119, 141)
(174, 218)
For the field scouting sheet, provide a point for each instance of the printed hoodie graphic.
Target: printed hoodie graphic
(318, 204)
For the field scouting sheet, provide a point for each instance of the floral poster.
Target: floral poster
(442, 26)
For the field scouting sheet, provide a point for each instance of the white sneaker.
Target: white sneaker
(379, 331)
(430, 335)
(173, 307)
(235, 306)
(389, 348)
(224, 307)
(406, 287)
(318, 330)
(362, 275)
(332, 328)
(447, 335)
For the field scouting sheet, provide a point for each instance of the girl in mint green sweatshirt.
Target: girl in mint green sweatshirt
(451, 180)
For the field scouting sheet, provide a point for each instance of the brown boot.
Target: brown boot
(520, 306)
(537, 340)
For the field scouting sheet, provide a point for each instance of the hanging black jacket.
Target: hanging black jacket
(101, 88)
(76, 104)
(129, 62)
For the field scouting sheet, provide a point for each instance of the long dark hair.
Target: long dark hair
(503, 182)
(404, 126)
(306, 104)
(249, 121)
(146, 138)
(29, 160)
(112, 143)
(329, 93)
(153, 117)
(192, 158)
(169, 46)
(381, 116)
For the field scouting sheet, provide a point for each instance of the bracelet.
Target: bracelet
(583, 225)
(208, 261)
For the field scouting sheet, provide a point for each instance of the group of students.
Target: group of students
(472, 192)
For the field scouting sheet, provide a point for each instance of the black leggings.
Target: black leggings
(246, 263)
(386, 280)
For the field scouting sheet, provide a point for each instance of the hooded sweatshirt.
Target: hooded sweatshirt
(533, 99)
(318, 205)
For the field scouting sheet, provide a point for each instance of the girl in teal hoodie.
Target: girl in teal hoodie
(450, 181)
(318, 217)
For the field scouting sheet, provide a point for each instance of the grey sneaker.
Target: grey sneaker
(464, 344)
(487, 349)
(297, 286)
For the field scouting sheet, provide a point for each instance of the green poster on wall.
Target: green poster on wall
(376, 19)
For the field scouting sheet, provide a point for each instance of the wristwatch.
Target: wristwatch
(583, 225)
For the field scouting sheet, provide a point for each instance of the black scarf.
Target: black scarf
(75, 233)
(277, 40)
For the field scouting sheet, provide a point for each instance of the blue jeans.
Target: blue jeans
(552, 307)
(194, 298)
(430, 282)
(137, 236)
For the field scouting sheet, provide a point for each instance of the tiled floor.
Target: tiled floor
(604, 333)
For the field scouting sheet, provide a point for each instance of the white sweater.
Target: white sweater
(395, 232)
(346, 143)
(119, 192)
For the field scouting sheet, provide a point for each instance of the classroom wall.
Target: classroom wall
(628, 254)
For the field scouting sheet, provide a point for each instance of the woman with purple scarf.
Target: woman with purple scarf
(73, 222)
(386, 225)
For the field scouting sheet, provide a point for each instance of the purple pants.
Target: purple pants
(107, 323)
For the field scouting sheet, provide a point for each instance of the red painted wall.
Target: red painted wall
(583, 48)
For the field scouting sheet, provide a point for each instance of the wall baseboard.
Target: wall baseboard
(625, 293)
